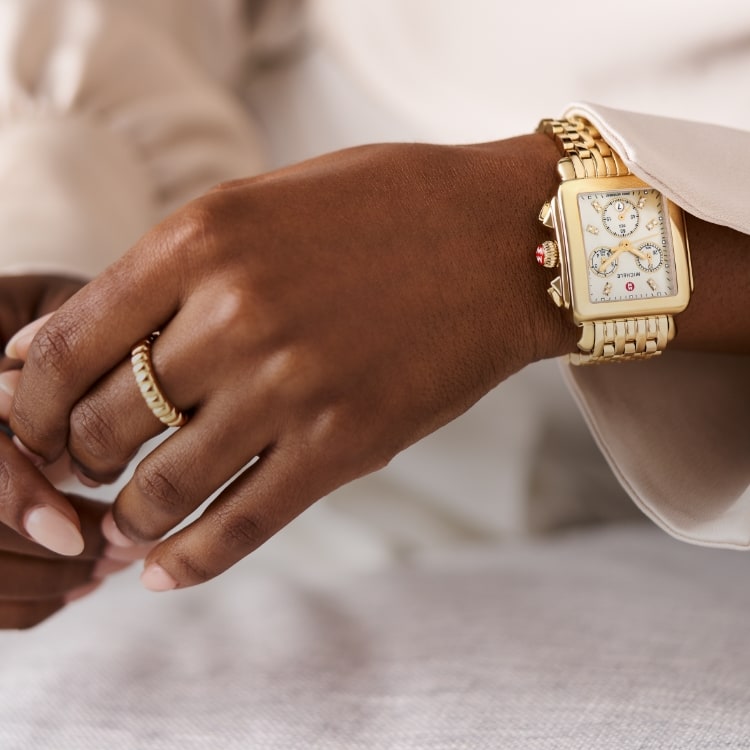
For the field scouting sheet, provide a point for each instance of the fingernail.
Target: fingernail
(20, 341)
(84, 480)
(78, 593)
(106, 567)
(6, 399)
(8, 383)
(155, 578)
(128, 554)
(50, 528)
(35, 459)
(112, 534)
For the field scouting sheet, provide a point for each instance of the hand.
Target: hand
(36, 583)
(24, 299)
(322, 318)
(23, 489)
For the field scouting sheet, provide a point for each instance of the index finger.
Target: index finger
(93, 332)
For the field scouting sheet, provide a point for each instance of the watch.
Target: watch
(620, 246)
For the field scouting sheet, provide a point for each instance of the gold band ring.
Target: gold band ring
(161, 407)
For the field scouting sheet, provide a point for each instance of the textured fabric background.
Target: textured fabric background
(613, 638)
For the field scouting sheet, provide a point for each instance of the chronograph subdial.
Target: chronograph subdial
(620, 217)
(653, 260)
(600, 263)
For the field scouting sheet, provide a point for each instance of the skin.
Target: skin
(35, 583)
(323, 318)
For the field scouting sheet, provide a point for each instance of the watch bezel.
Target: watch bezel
(574, 274)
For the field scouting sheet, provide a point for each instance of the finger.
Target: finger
(95, 330)
(18, 346)
(30, 578)
(90, 513)
(32, 507)
(184, 471)
(8, 384)
(109, 424)
(120, 549)
(21, 615)
(247, 513)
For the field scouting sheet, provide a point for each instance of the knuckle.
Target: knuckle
(243, 531)
(226, 185)
(91, 433)
(33, 434)
(51, 353)
(229, 313)
(155, 485)
(186, 242)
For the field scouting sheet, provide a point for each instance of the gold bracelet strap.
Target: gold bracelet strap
(585, 153)
(621, 340)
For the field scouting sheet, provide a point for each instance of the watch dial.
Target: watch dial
(627, 244)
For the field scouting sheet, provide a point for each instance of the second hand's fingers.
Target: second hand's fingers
(8, 384)
(38, 578)
(90, 514)
(32, 507)
(18, 346)
(22, 614)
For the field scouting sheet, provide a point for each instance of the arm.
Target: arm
(323, 317)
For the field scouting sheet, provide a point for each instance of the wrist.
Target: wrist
(523, 174)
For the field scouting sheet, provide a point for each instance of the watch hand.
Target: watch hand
(624, 245)
(628, 245)
(640, 253)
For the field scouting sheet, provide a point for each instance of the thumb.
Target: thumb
(18, 346)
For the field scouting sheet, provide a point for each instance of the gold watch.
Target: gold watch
(621, 249)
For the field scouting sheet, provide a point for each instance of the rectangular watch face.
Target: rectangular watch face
(623, 249)
(628, 245)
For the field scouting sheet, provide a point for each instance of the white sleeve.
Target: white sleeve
(107, 123)
(676, 430)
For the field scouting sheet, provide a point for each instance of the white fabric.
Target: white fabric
(684, 454)
(109, 119)
(617, 639)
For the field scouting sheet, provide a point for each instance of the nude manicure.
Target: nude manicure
(8, 383)
(84, 480)
(23, 338)
(155, 578)
(112, 534)
(50, 528)
(35, 459)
